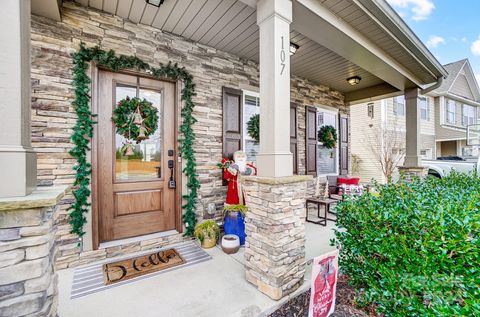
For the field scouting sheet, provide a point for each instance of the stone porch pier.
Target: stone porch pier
(275, 228)
(28, 280)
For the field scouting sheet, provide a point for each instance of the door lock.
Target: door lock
(172, 184)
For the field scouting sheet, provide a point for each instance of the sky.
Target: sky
(449, 28)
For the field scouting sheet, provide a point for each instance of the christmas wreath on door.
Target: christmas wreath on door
(136, 120)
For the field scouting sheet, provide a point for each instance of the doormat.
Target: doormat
(89, 279)
(126, 269)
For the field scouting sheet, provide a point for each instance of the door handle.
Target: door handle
(171, 182)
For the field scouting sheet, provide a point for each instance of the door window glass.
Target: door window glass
(144, 161)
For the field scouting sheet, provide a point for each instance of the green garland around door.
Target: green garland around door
(83, 130)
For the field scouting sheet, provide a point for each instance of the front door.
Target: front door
(133, 194)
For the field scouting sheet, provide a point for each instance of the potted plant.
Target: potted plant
(230, 243)
(234, 221)
(207, 233)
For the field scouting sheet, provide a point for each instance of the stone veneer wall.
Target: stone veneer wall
(53, 116)
(28, 280)
(275, 227)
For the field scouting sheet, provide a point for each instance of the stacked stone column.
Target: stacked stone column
(275, 227)
(410, 172)
(28, 281)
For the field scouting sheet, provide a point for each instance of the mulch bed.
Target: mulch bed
(344, 307)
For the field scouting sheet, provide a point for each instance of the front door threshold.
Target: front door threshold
(119, 242)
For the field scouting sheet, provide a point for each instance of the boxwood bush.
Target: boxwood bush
(413, 249)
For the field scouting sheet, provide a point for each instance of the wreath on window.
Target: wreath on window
(328, 136)
(253, 127)
(135, 119)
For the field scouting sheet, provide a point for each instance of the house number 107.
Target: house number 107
(282, 58)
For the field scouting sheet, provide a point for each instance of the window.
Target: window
(251, 106)
(426, 153)
(399, 106)
(370, 110)
(398, 151)
(451, 111)
(424, 114)
(327, 159)
(468, 113)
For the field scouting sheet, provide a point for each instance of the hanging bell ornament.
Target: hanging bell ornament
(129, 149)
(137, 117)
(141, 134)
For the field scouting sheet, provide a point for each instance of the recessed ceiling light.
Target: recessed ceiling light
(354, 80)
(156, 3)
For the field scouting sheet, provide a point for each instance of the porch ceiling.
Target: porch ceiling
(230, 26)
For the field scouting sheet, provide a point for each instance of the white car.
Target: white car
(442, 167)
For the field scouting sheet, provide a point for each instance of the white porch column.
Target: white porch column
(17, 158)
(275, 222)
(274, 18)
(412, 117)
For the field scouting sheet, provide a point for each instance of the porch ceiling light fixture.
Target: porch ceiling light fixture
(156, 3)
(293, 48)
(354, 80)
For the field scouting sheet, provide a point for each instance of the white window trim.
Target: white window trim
(395, 104)
(427, 102)
(335, 112)
(474, 110)
(447, 104)
(245, 136)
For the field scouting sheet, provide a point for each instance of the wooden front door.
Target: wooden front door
(133, 194)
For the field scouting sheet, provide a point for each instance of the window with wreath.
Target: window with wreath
(327, 158)
(251, 107)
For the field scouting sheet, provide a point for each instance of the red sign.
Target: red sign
(324, 285)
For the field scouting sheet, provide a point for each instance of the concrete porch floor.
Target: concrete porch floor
(209, 289)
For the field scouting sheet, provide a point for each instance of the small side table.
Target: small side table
(326, 203)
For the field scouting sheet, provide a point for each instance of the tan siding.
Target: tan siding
(427, 127)
(460, 87)
(393, 120)
(361, 133)
(444, 131)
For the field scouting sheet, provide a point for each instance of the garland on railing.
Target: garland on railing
(83, 130)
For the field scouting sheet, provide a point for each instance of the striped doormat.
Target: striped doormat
(89, 279)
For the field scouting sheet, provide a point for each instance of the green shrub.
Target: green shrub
(413, 249)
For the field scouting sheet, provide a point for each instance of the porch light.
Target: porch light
(293, 48)
(354, 80)
(156, 3)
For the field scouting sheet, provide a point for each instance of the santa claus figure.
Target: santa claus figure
(231, 172)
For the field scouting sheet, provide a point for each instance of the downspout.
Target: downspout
(433, 87)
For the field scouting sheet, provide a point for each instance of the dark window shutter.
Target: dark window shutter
(311, 141)
(232, 121)
(343, 145)
(293, 136)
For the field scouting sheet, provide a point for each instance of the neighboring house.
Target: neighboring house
(445, 114)
(242, 57)
(379, 126)
(457, 104)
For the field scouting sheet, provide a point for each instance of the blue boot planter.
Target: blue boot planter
(234, 223)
